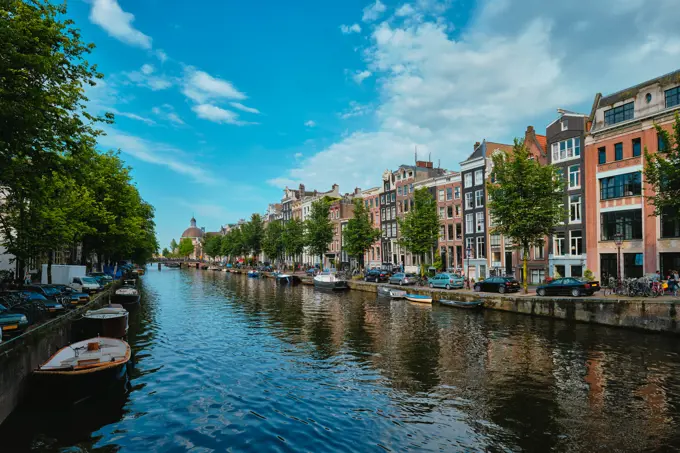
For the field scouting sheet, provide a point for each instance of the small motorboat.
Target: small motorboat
(419, 298)
(110, 321)
(386, 291)
(213, 268)
(461, 304)
(172, 265)
(84, 368)
(287, 279)
(127, 294)
(253, 274)
(329, 280)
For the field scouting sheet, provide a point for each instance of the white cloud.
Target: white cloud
(373, 11)
(201, 87)
(167, 112)
(442, 91)
(360, 76)
(355, 109)
(347, 29)
(118, 23)
(298, 156)
(157, 154)
(145, 78)
(239, 106)
(310, 123)
(218, 115)
(404, 10)
(147, 69)
(134, 116)
(161, 55)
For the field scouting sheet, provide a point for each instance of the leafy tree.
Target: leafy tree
(420, 227)
(186, 247)
(233, 245)
(359, 234)
(662, 173)
(165, 253)
(318, 228)
(253, 233)
(213, 246)
(525, 199)
(273, 245)
(293, 238)
(173, 245)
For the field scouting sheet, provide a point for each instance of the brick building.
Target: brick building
(448, 195)
(371, 197)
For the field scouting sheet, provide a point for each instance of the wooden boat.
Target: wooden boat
(461, 304)
(84, 368)
(110, 321)
(330, 281)
(287, 279)
(386, 291)
(213, 268)
(253, 274)
(419, 298)
(127, 294)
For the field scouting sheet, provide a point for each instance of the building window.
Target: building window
(468, 180)
(394, 230)
(457, 210)
(637, 147)
(566, 149)
(382, 199)
(394, 197)
(479, 222)
(618, 151)
(456, 192)
(441, 212)
(441, 195)
(449, 193)
(468, 201)
(495, 240)
(382, 214)
(479, 179)
(442, 231)
(479, 198)
(575, 209)
(410, 186)
(670, 223)
(399, 190)
(660, 145)
(564, 124)
(618, 114)
(574, 176)
(481, 247)
(394, 212)
(449, 212)
(450, 231)
(673, 97)
(405, 209)
(628, 223)
(469, 221)
(469, 245)
(539, 252)
(459, 231)
(558, 242)
(537, 276)
(602, 155)
(576, 242)
(627, 185)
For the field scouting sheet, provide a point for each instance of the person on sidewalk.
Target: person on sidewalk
(672, 284)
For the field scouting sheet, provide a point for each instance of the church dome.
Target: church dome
(193, 231)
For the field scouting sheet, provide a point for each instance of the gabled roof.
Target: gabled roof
(666, 79)
(543, 141)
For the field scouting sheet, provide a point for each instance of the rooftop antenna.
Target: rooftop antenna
(416, 161)
(429, 157)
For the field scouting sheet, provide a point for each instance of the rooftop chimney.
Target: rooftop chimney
(421, 164)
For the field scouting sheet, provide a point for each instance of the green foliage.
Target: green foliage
(438, 264)
(525, 199)
(294, 237)
(253, 234)
(233, 244)
(186, 247)
(420, 227)
(173, 246)
(359, 233)
(588, 275)
(213, 246)
(318, 228)
(662, 173)
(165, 252)
(273, 245)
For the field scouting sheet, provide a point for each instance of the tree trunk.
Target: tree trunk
(524, 272)
(50, 258)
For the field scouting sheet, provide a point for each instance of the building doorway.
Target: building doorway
(632, 265)
(669, 262)
(508, 263)
(607, 267)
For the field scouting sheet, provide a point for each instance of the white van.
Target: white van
(85, 284)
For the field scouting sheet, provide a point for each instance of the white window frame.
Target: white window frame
(469, 223)
(442, 212)
(564, 125)
(559, 249)
(479, 177)
(480, 246)
(456, 193)
(479, 198)
(579, 212)
(565, 150)
(468, 180)
(441, 194)
(539, 252)
(571, 242)
(578, 176)
(469, 201)
(479, 222)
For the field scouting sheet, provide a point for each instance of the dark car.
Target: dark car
(48, 291)
(102, 278)
(74, 297)
(568, 287)
(498, 285)
(53, 308)
(34, 310)
(12, 323)
(376, 275)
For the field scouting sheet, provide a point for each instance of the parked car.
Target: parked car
(54, 308)
(50, 292)
(376, 275)
(85, 284)
(446, 280)
(34, 310)
(75, 297)
(11, 323)
(102, 278)
(568, 286)
(498, 285)
(402, 278)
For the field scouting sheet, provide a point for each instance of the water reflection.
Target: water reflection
(225, 362)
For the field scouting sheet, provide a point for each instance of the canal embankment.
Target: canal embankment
(656, 315)
(21, 355)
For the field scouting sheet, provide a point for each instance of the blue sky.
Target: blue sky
(220, 104)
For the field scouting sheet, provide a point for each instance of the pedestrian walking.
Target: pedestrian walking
(27, 278)
(673, 283)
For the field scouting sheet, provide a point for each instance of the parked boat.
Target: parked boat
(213, 268)
(127, 294)
(172, 265)
(419, 298)
(287, 279)
(84, 368)
(110, 321)
(330, 281)
(253, 274)
(393, 293)
(461, 304)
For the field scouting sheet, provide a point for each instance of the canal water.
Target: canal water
(226, 363)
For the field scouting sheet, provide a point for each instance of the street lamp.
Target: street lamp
(618, 240)
(467, 273)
